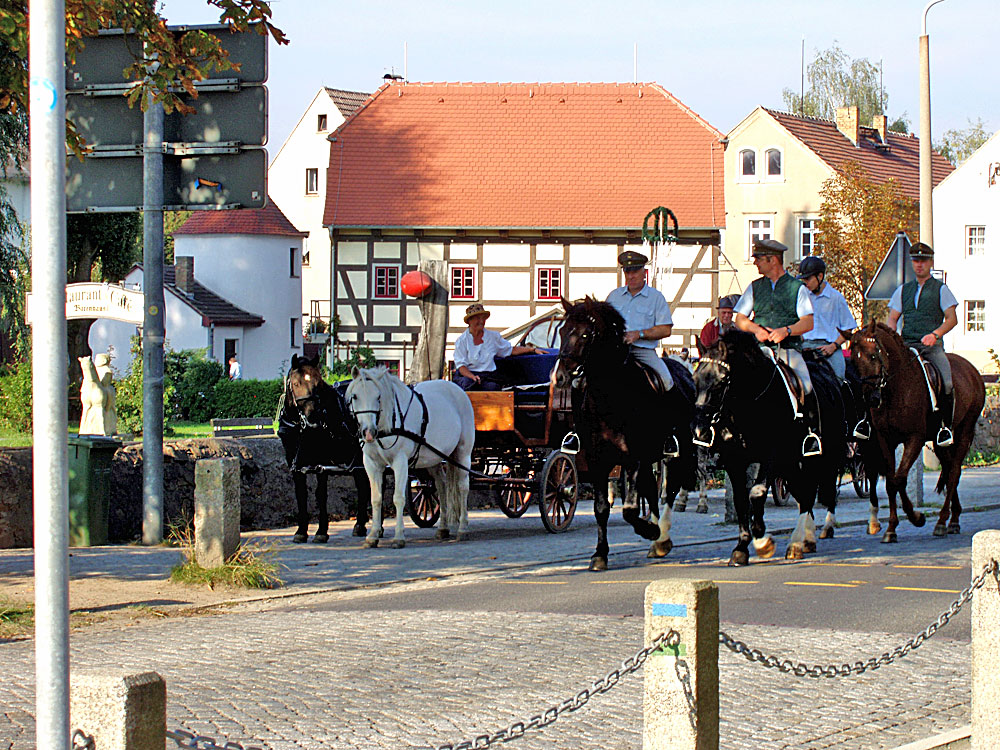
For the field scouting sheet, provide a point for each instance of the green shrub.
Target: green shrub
(363, 356)
(246, 398)
(128, 394)
(15, 398)
(194, 377)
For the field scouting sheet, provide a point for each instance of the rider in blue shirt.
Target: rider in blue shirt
(831, 315)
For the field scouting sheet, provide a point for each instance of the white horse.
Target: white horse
(441, 414)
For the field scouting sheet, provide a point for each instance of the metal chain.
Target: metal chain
(519, 728)
(845, 670)
(82, 741)
(198, 742)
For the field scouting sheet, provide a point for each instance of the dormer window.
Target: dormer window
(748, 163)
(321, 123)
(774, 166)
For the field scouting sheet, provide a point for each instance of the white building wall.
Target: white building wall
(970, 196)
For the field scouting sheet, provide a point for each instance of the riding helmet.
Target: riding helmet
(810, 266)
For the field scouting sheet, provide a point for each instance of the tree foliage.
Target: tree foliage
(958, 144)
(858, 222)
(14, 270)
(834, 79)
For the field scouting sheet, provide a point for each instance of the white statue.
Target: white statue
(97, 394)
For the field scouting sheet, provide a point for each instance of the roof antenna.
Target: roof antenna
(405, 77)
(635, 62)
(802, 79)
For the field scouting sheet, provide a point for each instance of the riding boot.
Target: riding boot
(946, 413)
(812, 445)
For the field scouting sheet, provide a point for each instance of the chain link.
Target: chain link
(82, 741)
(519, 728)
(199, 742)
(859, 667)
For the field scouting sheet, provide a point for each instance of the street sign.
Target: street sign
(190, 181)
(894, 270)
(95, 300)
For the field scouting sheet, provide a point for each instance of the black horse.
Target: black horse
(624, 420)
(743, 411)
(319, 436)
(867, 456)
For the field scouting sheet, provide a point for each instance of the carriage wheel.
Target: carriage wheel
(514, 500)
(559, 492)
(779, 491)
(422, 501)
(862, 485)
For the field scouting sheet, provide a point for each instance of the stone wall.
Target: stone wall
(987, 438)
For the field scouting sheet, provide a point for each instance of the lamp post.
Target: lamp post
(926, 186)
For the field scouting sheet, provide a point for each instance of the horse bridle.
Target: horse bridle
(875, 383)
(723, 383)
(577, 372)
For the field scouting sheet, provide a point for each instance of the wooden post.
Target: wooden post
(216, 510)
(428, 358)
(985, 645)
(120, 710)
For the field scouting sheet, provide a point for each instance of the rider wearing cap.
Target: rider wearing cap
(927, 306)
(782, 312)
(831, 315)
(717, 326)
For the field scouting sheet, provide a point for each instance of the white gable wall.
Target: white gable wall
(965, 199)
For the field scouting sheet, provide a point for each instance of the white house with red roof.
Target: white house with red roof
(235, 288)
(528, 191)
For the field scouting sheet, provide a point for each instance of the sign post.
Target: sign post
(894, 270)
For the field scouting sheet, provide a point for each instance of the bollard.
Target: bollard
(216, 510)
(985, 645)
(681, 690)
(120, 710)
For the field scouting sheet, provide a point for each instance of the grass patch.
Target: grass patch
(980, 458)
(184, 430)
(250, 567)
(15, 619)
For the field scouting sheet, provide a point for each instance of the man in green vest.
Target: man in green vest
(782, 312)
(928, 307)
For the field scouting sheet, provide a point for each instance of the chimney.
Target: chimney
(184, 274)
(847, 122)
(881, 123)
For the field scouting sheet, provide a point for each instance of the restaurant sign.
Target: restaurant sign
(90, 300)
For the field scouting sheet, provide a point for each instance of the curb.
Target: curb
(956, 739)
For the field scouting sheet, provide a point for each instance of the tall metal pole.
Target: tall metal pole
(152, 326)
(926, 185)
(47, 88)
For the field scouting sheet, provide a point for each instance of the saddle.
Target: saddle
(793, 385)
(935, 384)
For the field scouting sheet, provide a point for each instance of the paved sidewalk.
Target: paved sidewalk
(267, 673)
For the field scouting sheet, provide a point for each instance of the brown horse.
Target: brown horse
(901, 413)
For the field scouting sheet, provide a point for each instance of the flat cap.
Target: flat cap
(631, 259)
(768, 247)
(921, 250)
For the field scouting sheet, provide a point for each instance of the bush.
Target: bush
(246, 398)
(15, 398)
(363, 356)
(194, 377)
(128, 393)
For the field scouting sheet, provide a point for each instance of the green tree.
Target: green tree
(835, 79)
(858, 222)
(957, 145)
(14, 270)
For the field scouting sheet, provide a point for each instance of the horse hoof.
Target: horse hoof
(442, 534)
(300, 538)
(370, 542)
(940, 530)
(702, 508)
(809, 546)
(889, 537)
(766, 550)
(826, 533)
(874, 528)
(598, 563)
(795, 552)
(660, 549)
(359, 530)
(918, 519)
(679, 507)
(954, 528)
(398, 543)
(321, 538)
(739, 559)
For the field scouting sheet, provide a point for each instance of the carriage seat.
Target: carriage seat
(527, 371)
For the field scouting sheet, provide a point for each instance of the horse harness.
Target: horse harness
(932, 378)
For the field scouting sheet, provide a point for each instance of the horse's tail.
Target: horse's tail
(941, 483)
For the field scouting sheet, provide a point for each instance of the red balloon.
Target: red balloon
(416, 283)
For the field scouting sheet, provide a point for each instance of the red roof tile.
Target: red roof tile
(513, 155)
(267, 220)
(900, 161)
(347, 102)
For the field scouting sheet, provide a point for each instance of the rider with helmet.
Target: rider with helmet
(831, 315)
(927, 306)
(782, 312)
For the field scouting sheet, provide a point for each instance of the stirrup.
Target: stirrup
(672, 451)
(702, 443)
(570, 444)
(863, 430)
(944, 437)
(808, 452)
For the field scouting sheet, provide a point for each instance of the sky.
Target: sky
(721, 58)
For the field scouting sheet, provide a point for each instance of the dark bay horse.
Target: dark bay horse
(856, 408)
(622, 420)
(901, 413)
(317, 430)
(744, 413)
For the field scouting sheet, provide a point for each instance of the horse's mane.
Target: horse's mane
(384, 381)
(602, 315)
(741, 343)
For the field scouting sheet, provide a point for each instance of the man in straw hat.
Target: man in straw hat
(782, 312)
(475, 349)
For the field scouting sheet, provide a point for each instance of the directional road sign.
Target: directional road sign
(894, 270)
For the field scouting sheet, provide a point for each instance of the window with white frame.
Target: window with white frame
(549, 283)
(975, 241)
(748, 163)
(305, 258)
(807, 237)
(773, 164)
(975, 315)
(386, 282)
(758, 228)
(463, 282)
(392, 365)
(312, 181)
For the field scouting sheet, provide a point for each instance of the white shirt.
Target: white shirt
(803, 305)
(235, 371)
(479, 358)
(947, 298)
(830, 313)
(644, 309)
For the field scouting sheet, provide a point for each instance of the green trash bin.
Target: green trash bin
(90, 488)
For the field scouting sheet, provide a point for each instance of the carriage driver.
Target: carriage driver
(928, 309)
(830, 315)
(782, 312)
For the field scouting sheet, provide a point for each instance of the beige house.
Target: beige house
(776, 164)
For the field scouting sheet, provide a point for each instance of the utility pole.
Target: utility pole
(926, 185)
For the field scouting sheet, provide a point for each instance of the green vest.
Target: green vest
(921, 319)
(775, 308)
